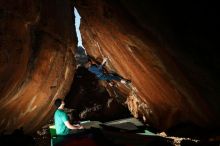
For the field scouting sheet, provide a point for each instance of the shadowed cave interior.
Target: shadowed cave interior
(167, 49)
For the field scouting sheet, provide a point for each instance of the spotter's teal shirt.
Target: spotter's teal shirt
(59, 118)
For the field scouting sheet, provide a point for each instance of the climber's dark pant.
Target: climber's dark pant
(109, 77)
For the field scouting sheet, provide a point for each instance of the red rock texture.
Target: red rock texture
(160, 94)
(37, 65)
(36, 59)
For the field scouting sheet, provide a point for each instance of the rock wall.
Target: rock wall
(140, 49)
(169, 59)
(37, 65)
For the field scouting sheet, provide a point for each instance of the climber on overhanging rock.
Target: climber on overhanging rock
(96, 69)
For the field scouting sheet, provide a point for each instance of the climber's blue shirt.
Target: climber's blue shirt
(97, 70)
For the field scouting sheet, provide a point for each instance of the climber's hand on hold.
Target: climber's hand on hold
(104, 60)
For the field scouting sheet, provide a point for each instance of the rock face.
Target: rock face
(167, 53)
(37, 65)
(142, 44)
(91, 101)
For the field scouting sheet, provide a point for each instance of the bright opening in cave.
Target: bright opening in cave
(80, 53)
(77, 26)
